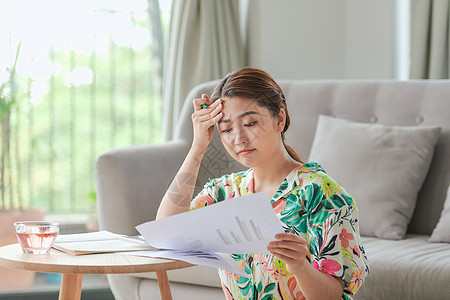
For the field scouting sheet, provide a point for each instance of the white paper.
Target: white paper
(98, 242)
(239, 225)
(89, 236)
(103, 246)
(196, 257)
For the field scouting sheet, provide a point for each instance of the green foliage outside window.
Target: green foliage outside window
(80, 99)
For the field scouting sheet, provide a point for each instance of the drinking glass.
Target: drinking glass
(36, 237)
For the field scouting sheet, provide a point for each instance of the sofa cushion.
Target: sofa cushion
(383, 167)
(410, 268)
(442, 231)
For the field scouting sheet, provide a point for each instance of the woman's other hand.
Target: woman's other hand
(204, 119)
(314, 284)
(292, 249)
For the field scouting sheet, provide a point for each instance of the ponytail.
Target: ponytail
(291, 151)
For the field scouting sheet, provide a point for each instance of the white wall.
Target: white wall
(322, 39)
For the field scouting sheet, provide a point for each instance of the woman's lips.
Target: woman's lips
(245, 152)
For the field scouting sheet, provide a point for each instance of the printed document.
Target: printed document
(242, 225)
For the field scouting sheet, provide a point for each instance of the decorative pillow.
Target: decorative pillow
(383, 167)
(441, 232)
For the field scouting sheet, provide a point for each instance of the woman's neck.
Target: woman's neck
(267, 178)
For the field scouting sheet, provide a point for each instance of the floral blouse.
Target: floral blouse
(311, 204)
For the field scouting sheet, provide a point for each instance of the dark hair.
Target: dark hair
(256, 84)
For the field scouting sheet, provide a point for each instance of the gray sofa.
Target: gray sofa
(132, 181)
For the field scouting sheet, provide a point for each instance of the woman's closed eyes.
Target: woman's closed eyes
(250, 124)
(245, 125)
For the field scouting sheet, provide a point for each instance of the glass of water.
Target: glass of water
(36, 237)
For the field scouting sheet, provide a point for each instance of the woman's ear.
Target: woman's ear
(281, 120)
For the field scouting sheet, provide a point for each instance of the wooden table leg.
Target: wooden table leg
(70, 286)
(163, 282)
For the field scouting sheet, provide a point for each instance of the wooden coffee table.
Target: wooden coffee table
(73, 267)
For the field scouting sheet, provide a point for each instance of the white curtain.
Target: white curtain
(430, 39)
(204, 44)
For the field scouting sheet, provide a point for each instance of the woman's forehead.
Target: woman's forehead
(235, 108)
(236, 105)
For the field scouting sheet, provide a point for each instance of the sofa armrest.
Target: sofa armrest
(132, 181)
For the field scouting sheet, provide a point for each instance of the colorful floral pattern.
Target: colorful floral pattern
(311, 204)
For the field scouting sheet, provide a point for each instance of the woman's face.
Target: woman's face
(249, 132)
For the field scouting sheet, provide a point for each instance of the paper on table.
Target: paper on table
(85, 237)
(239, 225)
(97, 242)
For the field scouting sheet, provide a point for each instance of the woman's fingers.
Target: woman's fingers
(201, 103)
(285, 239)
(208, 120)
(210, 112)
(202, 106)
(288, 244)
(210, 115)
(292, 249)
(290, 237)
(204, 119)
(288, 248)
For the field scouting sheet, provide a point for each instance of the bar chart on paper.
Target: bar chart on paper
(246, 233)
(239, 225)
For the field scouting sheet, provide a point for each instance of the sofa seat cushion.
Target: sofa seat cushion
(411, 268)
(200, 275)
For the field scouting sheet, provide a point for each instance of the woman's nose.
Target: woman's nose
(240, 136)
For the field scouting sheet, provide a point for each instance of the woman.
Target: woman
(320, 256)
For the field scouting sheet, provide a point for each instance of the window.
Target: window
(402, 39)
(89, 79)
